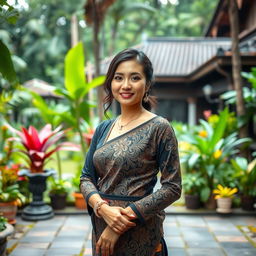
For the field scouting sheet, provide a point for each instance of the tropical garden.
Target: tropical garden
(43, 140)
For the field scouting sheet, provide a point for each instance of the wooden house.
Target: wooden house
(191, 73)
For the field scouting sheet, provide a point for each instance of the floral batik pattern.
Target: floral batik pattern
(124, 171)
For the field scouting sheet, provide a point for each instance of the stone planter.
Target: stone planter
(192, 201)
(37, 209)
(224, 205)
(9, 211)
(3, 238)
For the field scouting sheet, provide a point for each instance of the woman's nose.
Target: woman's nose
(126, 84)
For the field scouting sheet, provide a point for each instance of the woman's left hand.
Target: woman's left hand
(115, 219)
(106, 242)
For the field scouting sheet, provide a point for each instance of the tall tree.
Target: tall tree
(119, 10)
(236, 63)
(41, 38)
(94, 15)
(168, 20)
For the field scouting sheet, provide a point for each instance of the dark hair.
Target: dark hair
(125, 55)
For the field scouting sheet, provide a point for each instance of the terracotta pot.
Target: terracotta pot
(3, 238)
(58, 201)
(224, 205)
(247, 202)
(9, 211)
(79, 201)
(192, 201)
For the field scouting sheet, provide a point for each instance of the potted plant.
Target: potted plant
(193, 184)
(38, 146)
(212, 147)
(79, 199)
(10, 196)
(58, 192)
(245, 172)
(5, 231)
(224, 196)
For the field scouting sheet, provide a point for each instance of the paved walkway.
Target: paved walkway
(185, 235)
(188, 235)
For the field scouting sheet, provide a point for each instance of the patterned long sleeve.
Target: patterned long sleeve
(169, 165)
(88, 178)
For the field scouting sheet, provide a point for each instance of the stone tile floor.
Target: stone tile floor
(185, 236)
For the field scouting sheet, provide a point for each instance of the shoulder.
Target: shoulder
(162, 123)
(163, 127)
(103, 126)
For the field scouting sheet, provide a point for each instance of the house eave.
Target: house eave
(208, 67)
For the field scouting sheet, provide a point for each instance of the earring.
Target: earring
(145, 98)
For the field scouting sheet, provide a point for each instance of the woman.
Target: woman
(121, 166)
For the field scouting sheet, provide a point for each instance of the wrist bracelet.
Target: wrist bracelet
(97, 207)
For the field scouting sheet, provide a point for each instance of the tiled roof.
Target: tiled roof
(178, 57)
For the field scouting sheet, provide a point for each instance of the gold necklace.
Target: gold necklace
(121, 126)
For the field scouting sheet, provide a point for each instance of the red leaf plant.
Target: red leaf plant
(40, 145)
(88, 136)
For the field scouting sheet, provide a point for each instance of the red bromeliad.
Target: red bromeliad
(88, 136)
(40, 145)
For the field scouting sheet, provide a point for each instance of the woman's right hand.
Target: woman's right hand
(115, 219)
(106, 243)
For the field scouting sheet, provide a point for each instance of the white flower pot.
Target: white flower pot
(224, 205)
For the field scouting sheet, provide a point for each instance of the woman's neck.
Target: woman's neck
(128, 113)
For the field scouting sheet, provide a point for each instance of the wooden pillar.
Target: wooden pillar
(74, 31)
(191, 110)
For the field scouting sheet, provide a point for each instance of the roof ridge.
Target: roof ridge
(188, 39)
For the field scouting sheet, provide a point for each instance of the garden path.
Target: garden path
(186, 234)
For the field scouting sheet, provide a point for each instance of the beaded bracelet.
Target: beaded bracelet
(97, 207)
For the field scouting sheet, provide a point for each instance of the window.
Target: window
(172, 109)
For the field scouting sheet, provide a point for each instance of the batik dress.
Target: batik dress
(123, 170)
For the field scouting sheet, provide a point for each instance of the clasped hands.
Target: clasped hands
(118, 220)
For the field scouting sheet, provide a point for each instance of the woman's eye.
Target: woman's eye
(135, 78)
(117, 78)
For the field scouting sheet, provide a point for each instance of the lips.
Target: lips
(126, 95)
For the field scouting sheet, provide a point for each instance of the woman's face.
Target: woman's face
(129, 83)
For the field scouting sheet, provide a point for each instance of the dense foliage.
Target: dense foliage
(42, 35)
(206, 151)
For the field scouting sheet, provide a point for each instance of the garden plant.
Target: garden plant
(211, 150)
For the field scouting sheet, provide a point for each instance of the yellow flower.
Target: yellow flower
(183, 145)
(4, 128)
(217, 154)
(224, 192)
(203, 133)
(18, 202)
(252, 229)
(213, 119)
